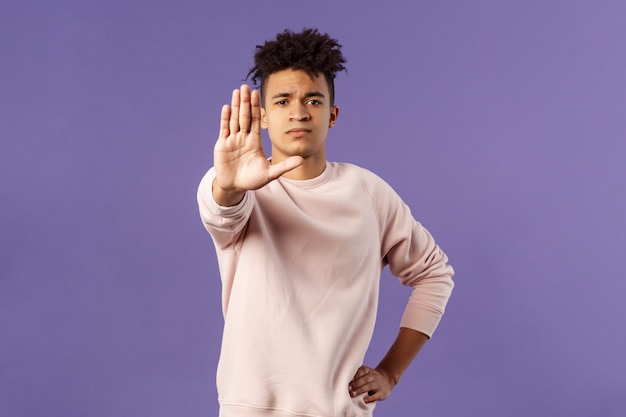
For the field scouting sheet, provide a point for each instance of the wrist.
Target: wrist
(226, 197)
(392, 377)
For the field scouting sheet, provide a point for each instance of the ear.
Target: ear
(263, 118)
(334, 114)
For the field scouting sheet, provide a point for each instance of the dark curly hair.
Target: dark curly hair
(309, 50)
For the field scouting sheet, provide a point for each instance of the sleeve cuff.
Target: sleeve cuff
(206, 192)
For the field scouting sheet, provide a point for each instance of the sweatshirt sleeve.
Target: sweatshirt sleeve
(414, 257)
(225, 224)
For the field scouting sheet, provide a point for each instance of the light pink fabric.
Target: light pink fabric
(300, 263)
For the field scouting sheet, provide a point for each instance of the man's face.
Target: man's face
(297, 114)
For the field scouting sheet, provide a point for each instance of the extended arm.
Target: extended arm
(378, 382)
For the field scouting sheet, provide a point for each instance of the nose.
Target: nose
(299, 112)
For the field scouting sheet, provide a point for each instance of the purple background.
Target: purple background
(501, 123)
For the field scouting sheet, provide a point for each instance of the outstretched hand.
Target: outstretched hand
(376, 383)
(239, 160)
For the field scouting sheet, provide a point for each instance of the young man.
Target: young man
(301, 243)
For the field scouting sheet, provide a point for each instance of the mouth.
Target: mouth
(298, 132)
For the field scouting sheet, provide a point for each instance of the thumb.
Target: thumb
(287, 165)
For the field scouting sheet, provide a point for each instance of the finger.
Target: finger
(287, 165)
(364, 384)
(372, 397)
(354, 384)
(362, 374)
(255, 102)
(244, 109)
(370, 389)
(224, 121)
(234, 112)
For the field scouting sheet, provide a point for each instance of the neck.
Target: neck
(312, 167)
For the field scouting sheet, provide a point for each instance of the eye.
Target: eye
(281, 102)
(314, 102)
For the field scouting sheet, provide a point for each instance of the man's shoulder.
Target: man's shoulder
(353, 169)
(379, 190)
(358, 173)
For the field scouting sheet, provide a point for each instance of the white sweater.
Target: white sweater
(300, 263)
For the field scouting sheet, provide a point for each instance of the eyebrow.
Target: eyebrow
(307, 95)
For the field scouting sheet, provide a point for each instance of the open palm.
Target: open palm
(239, 160)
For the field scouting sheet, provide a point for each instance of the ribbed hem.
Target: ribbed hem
(240, 410)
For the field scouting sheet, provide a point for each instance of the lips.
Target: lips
(298, 132)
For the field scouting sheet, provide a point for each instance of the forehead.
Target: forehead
(295, 81)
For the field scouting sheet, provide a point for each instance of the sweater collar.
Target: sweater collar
(313, 182)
